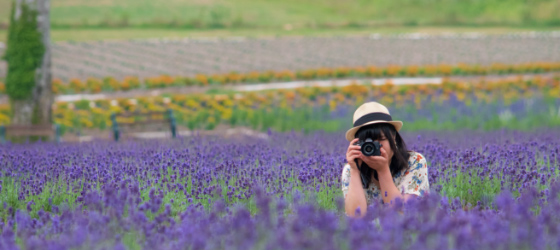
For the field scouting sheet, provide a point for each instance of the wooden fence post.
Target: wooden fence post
(115, 126)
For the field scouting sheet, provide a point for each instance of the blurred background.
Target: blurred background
(82, 20)
(284, 65)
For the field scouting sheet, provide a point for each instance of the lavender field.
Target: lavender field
(489, 190)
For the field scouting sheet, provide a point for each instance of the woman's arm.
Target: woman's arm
(355, 198)
(387, 185)
(414, 183)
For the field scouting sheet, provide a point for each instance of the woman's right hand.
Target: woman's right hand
(353, 153)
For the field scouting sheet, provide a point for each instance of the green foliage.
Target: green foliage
(24, 53)
(325, 14)
(470, 188)
(53, 194)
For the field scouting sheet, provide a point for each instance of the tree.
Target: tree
(28, 81)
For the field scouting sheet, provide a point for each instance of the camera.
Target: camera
(369, 147)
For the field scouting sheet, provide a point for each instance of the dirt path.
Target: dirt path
(222, 130)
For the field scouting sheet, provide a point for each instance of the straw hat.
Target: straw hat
(371, 113)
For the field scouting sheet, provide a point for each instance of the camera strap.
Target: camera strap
(364, 182)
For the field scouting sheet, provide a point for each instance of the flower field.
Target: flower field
(500, 188)
(110, 84)
(232, 135)
(514, 104)
(284, 192)
(491, 146)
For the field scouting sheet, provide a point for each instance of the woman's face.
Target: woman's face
(386, 146)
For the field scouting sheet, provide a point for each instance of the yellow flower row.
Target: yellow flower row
(220, 108)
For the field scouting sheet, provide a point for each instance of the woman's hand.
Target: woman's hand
(379, 163)
(352, 153)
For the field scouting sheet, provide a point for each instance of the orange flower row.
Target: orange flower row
(93, 85)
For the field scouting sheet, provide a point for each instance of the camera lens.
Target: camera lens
(368, 149)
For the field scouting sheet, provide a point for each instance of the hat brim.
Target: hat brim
(352, 132)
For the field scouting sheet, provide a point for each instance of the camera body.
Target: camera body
(369, 147)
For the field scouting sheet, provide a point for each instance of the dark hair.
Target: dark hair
(400, 155)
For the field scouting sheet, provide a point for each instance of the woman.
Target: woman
(396, 173)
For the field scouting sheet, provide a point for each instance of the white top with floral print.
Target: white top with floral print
(413, 180)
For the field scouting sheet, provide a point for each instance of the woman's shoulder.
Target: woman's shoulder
(415, 157)
(415, 162)
(346, 172)
(346, 168)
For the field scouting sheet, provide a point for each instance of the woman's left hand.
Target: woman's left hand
(379, 163)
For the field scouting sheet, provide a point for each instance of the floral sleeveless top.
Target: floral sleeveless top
(413, 180)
